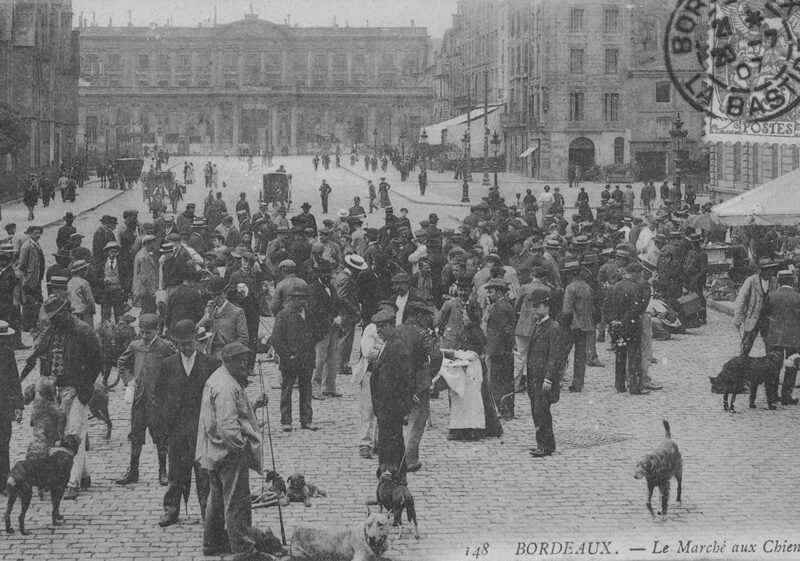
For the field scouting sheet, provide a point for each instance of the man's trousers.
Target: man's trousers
(288, 378)
(181, 462)
(327, 363)
(417, 420)
(228, 508)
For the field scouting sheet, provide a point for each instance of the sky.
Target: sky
(433, 14)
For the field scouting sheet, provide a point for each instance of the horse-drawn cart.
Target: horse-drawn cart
(277, 189)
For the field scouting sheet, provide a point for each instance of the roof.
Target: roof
(775, 202)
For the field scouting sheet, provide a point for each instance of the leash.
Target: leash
(265, 413)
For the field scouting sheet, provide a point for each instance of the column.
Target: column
(237, 113)
(373, 125)
(309, 61)
(349, 68)
(216, 118)
(293, 129)
(274, 140)
(329, 60)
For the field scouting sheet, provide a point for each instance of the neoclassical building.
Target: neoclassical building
(214, 87)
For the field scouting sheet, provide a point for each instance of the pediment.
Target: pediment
(254, 28)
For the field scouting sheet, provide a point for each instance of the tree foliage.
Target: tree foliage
(13, 133)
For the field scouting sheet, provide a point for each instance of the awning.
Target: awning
(529, 151)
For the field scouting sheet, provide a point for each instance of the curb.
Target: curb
(413, 200)
(720, 306)
(85, 211)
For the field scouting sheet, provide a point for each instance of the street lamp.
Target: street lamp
(678, 135)
(424, 141)
(86, 146)
(495, 149)
(403, 144)
(375, 137)
(486, 181)
(465, 186)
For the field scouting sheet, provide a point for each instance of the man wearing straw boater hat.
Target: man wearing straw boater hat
(181, 381)
(74, 357)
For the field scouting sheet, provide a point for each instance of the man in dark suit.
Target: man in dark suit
(293, 341)
(306, 219)
(623, 309)
(576, 313)
(10, 294)
(103, 235)
(182, 378)
(545, 359)
(784, 333)
(62, 238)
(325, 315)
(11, 403)
(392, 385)
(225, 321)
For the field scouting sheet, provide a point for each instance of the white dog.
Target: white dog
(364, 542)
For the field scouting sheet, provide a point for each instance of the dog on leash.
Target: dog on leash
(98, 406)
(366, 541)
(51, 472)
(394, 495)
(658, 468)
(741, 372)
(301, 491)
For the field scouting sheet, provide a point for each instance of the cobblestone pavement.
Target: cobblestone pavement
(738, 477)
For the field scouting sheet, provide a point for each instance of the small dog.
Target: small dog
(301, 491)
(740, 372)
(98, 406)
(114, 340)
(51, 472)
(366, 541)
(394, 496)
(277, 485)
(658, 468)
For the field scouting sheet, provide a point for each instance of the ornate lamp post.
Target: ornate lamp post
(375, 137)
(403, 144)
(86, 146)
(465, 141)
(486, 181)
(678, 135)
(495, 149)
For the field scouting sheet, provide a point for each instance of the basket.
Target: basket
(689, 304)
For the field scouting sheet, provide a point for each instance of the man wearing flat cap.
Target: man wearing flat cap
(287, 273)
(500, 323)
(71, 353)
(228, 447)
(30, 270)
(292, 340)
(181, 380)
(145, 275)
(623, 307)
(139, 367)
(784, 333)
(225, 321)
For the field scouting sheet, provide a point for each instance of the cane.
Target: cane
(265, 413)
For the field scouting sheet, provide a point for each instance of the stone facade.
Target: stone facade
(39, 79)
(217, 87)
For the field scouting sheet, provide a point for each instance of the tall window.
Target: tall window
(611, 107)
(619, 150)
(612, 61)
(91, 128)
(662, 127)
(576, 20)
(576, 112)
(737, 162)
(663, 92)
(612, 21)
(576, 61)
(144, 61)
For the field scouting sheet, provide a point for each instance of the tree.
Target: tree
(13, 135)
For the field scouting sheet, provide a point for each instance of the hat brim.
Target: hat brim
(8, 332)
(50, 314)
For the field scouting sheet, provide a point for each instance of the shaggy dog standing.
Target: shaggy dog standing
(658, 468)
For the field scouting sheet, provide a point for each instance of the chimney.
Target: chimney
(80, 20)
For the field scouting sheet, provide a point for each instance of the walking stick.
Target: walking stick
(265, 413)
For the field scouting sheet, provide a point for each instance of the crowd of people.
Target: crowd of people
(521, 286)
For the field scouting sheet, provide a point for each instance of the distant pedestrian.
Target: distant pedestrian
(324, 192)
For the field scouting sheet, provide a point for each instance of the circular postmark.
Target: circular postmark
(735, 59)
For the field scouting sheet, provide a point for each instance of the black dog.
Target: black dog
(394, 496)
(98, 405)
(740, 372)
(658, 468)
(51, 472)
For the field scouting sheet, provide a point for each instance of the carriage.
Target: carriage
(277, 188)
(126, 172)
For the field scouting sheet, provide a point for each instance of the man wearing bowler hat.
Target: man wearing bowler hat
(62, 237)
(545, 360)
(325, 314)
(306, 219)
(10, 294)
(71, 353)
(292, 340)
(225, 321)
(139, 366)
(181, 380)
(500, 323)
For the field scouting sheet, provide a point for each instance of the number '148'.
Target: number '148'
(477, 551)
